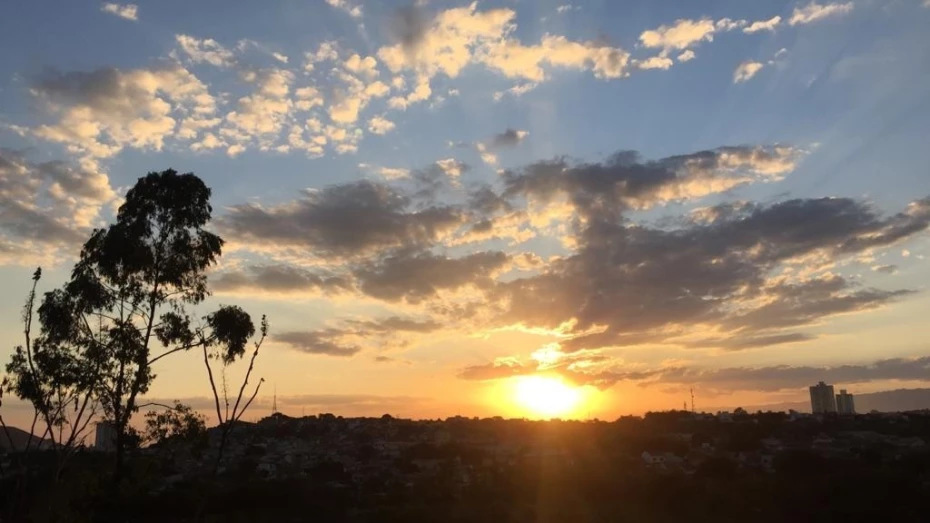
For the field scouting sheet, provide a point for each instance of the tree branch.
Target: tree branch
(216, 396)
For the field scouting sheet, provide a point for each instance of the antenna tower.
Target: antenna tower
(692, 400)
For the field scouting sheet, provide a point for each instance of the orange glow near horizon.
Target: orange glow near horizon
(546, 397)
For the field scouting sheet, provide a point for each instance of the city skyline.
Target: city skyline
(500, 207)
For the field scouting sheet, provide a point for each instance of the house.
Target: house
(653, 459)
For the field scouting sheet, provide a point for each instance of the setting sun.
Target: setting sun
(545, 396)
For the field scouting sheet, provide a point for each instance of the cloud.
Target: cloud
(327, 51)
(127, 11)
(102, 111)
(746, 70)
(452, 167)
(353, 336)
(515, 60)
(516, 91)
(456, 38)
(565, 8)
(446, 43)
(380, 125)
(326, 342)
(47, 207)
(813, 12)
(763, 25)
(686, 55)
(716, 277)
(261, 116)
(205, 51)
(622, 182)
(681, 35)
(278, 279)
(735, 275)
(417, 276)
(280, 57)
(355, 11)
(367, 67)
(343, 220)
(508, 138)
(388, 173)
(885, 269)
(787, 377)
(655, 62)
(579, 369)
(499, 369)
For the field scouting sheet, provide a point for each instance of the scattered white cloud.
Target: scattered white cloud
(261, 115)
(127, 11)
(486, 156)
(681, 35)
(327, 51)
(451, 167)
(813, 12)
(280, 57)
(355, 11)
(746, 70)
(380, 125)
(763, 25)
(102, 111)
(565, 8)
(516, 91)
(366, 67)
(727, 24)
(686, 55)
(388, 173)
(208, 50)
(654, 62)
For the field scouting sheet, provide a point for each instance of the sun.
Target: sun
(545, 396)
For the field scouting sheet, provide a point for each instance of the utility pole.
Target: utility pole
(274, 401)
(692, 400)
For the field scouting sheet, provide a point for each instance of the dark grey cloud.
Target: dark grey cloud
(347, 220)
(752, 342)
(279, 278)
(508, 138)
(328, 342)
(415, 276)
(100, 89)
(623, 283)
(396, 324)
(353, 336)
(781, 377)
(408, 26)
(885, 269)
(635, 282)
(623, 181)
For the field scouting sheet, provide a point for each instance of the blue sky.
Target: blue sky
(755, 103)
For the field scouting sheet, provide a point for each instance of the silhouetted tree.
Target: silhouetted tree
(129, 291)
(58, 387)
(226, 418)
(179, 421)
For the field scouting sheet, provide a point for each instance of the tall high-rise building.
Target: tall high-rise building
(106, 437)
(822, 398)
(845, 404)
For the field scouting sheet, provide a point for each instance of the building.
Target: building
(822, 398)
(105, 438)
(845, 404)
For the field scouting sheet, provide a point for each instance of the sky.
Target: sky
(440, 205)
